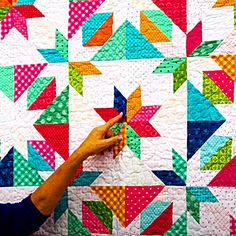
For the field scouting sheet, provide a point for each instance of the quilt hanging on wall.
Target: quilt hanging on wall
(169, 65)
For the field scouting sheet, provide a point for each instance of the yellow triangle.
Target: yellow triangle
(227, 63)
(223, 3)
(150, 30)
(114, 198)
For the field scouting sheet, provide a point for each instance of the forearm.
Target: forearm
(46, 197)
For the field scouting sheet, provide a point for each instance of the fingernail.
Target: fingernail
(121, 114)
(120, 138)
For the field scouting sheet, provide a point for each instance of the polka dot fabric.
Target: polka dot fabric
(24, 76)
(45, 150)
(137, 198)
(79, 12)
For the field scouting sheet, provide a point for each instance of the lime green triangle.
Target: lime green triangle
(213, 92)
(180, 75)
(205, 48)
(3, 12)
(179, 227)
(75, 227)
(162, 21)
(192, 206)
(76, 80)
(169, 65)
(61, 44)
(179, 165)
(37, 88)
(220, 158)
(133, 141)
(7, 81)
(114, 48)
(102, 212)
(57, 111)
(24, 174)
(235, 17)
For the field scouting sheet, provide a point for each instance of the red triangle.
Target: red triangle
(175, 10)
(137, 198)
(161, 224)
(24, 76)
(232, 226)
(227, 176)
(194, 38)
(107, 113)
(57, 135)
(223, 81)
(91, 222)
(45, 98)
(29, 11)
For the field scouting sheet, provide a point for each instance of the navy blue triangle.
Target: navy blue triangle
(119, 102)
(198, 133)
(6, 170)
(169, 177)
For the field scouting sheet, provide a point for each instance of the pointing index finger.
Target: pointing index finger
(114, 120)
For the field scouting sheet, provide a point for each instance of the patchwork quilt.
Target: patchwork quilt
(169, 65)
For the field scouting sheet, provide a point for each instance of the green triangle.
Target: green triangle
(116, 127)
(76, 80)
(57, 111)
(102, 212)
(161, 20)
(114, 48)
(180, 75)
(205, 48)
(179, 165)
(62, 45)
(192, 206)
(75, 227)
(179, 227)
(220, 158)
(3, 12)
(7, 81)
(37, 88)
(24, 174)
(235, 17)
(133, 141)
(213, 92)
(169, 65)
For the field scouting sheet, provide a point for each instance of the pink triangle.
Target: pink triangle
(175, 10)
(57, 136)
(223, 81)
(227, 176)
(232, 226)
(45, 151)
(45, 98)
(137, 198)
(194, 38)
(91, 222)
(79, 12)
(24, 76)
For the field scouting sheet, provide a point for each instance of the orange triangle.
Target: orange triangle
(102, 34)
(114, 198)
(119, 146)
(85, 68)
(227, 63)
(224, 3)
(5, 3)
(134, 103)
(150, 30)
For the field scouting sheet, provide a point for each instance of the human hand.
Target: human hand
(100, 138)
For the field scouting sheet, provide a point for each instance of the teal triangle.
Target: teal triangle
(200, 108)
(137, 46)
(92, 25)
(202, 194)
(86, 178)
(161, 20)
(213, 144)
(36, 160)
(151, 212)
(114, 48)
(7, 81)
(62, 206)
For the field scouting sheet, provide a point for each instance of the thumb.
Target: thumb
(113, 140)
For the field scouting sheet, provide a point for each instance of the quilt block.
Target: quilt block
(169, 65)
